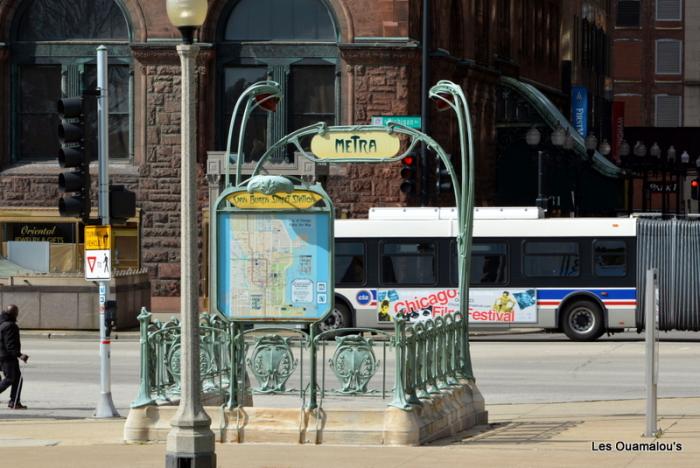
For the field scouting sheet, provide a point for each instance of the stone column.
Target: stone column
(191, 436)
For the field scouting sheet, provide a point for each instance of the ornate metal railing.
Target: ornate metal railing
(429, 357)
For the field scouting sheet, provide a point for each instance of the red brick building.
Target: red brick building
(648, 57)
(340, 61)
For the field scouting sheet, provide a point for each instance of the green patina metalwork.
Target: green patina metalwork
(354, 363)
(272, 363)
(429, 359)
(160, 357)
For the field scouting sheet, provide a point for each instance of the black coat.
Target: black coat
(10, 345)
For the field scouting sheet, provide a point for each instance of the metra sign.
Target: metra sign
(358, 144)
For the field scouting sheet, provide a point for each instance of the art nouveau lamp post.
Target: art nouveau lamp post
(190, 442)
(263, 94)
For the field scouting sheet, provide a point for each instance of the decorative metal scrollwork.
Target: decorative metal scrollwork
(354, 363)
(206, 364)
(272, 363)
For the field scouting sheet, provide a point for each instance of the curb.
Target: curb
(78, 335)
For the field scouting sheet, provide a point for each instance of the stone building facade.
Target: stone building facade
(367, 51)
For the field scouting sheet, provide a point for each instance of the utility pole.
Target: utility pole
(105, 405)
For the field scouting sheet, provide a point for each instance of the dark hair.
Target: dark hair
(11, 309)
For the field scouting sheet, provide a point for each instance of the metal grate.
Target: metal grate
(668, 57)
(668, 10)
(672, 246)
(668, 111)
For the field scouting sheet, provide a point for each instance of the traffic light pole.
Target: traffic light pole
(105, 405)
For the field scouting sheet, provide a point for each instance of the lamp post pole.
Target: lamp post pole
(190, 442)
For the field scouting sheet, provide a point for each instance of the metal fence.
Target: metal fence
(429, 356)
(673, 247)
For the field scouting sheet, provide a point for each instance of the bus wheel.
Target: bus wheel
(583, 321)
(338, 318)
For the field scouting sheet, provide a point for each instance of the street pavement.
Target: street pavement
(523, 435)
(62, 376)
(551, 402)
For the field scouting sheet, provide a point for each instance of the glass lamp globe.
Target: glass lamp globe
(186, 13)
(533, 137)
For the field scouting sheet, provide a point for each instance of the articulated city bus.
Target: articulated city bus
(560, 274)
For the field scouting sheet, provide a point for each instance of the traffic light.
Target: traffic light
(443, 181)
(122, 204)
(408, 174)
(694, 184)
(74, 184)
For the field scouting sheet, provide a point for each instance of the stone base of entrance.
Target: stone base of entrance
(453, 410)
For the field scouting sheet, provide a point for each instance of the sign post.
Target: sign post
(651, 332)
(98, 264)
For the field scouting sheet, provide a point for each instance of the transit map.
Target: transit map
(274, 266)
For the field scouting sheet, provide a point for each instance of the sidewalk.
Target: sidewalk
(537, 435)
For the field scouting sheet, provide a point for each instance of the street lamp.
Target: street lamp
(605, 148)
(448, 95)
(685, 159)
(629, 172)
(190, 442)
(533, 138)
(591, 145)
(263, 94)
(640, 151)
(672, 164)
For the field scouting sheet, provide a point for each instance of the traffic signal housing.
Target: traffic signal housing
(408, 174)
(73, 184)
(694, 185)
(122, 204)
(443, 181)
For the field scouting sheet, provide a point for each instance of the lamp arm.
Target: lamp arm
(241, 134)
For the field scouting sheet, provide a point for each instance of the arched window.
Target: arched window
(293, 42)
(53, 55)
(280, 20)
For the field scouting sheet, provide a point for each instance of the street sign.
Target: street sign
(662, 187)
(359, 144)
(410, 121)
(98, 265)
(579, 109)
(98, 237)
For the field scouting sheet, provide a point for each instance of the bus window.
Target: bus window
(609, 258)
(350, 262)
(489, 264)
(408, 263)
(551, 259)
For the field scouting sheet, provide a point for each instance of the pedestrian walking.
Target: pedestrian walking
(10, 354)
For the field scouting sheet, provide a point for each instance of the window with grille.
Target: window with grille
(668, 10)
(296, 47)
(53, 56)
(668, 111)
(628, 13)
(668, 57)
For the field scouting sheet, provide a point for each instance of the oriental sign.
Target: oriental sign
(57, 233)
(361, 144)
